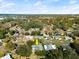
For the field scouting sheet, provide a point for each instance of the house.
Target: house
(16, 35)
(58, 37)
(69, 31)
(47, 29)
(77, 38)
(29, 37)
(38, 37)
(6, 57)
(1, 18)
(18, 29)
(7, 25)
(33, 37)
(33, 30)
(68, 38)
(1, 42)
(49, 47)
(47, 37)
(59, 32)
(37, 47)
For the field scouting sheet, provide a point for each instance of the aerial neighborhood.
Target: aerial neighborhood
(39, 37)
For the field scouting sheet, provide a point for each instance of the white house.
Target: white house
(35, 47)
(38, 37)
(29, 37)
(1, 18)
(49, 47)
(0, 41)
(6, 57)
(68, 38)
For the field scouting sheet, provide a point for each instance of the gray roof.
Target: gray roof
(6, 57)
(37, 47)
(49, 47)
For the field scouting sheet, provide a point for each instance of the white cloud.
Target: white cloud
(2, 6)
(39, 8)
(73, 2)
(69, 9)
(6, 6)
(38, 3)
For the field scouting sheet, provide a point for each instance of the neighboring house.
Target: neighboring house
(6, 57)
(18, 29)
(13, 28)
(37, 47)
(1, 42)
(46, 36)
(68, 38)
(71, 18)
(59, 32)
(49, 47)
(1, 18)
(38, 37)
(58, 37)
(29, 37)
(16, 35)
(7, 25)
(32, 30)
(77, 38)
(47, 29)
(69, 31)
(33, 37)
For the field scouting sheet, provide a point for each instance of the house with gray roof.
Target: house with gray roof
(37, 47)
(49, 47)
(7, 56)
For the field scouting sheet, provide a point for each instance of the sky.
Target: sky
(39, 6)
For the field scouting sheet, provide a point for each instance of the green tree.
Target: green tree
(2, 53)
(8, 19)
(10, 46)
(3, 33)
(32, 24)
(23, 50)
(30, 43)
(40, 53)
(12, 32)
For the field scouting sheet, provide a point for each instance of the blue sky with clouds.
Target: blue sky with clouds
(39, 6)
